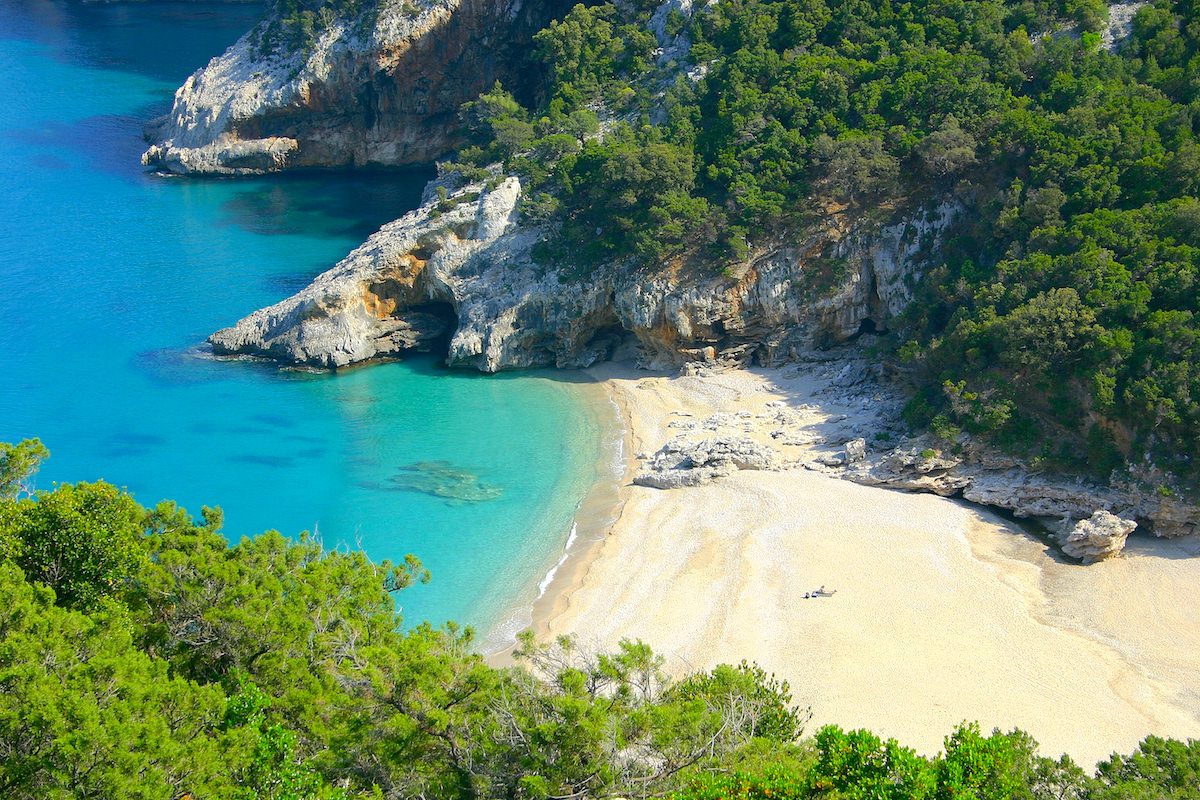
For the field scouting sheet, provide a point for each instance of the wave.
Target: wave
(610, 469)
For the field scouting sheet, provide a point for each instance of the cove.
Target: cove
(112, 277)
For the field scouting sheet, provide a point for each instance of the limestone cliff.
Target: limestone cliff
(382, 88)
(468, 253)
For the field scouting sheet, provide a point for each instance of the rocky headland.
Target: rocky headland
(460, 268)
(381, 88)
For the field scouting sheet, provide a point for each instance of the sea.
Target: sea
(111, 277)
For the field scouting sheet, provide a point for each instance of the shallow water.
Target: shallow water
(110, 278)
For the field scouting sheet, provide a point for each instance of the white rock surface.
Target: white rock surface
(1120, 24)
(383, 88)
(1098, 537)
(513, 312)
(684, 462)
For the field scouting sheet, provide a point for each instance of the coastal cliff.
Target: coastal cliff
(460, 269)
(468, 252)
(379, 87)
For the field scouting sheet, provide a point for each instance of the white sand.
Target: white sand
(942, 613)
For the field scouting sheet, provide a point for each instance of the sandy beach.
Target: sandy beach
(942, 612)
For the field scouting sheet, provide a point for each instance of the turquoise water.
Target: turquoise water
(110, 278)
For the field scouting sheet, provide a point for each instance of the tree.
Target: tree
(18, 464)
(1159, 768)
(854, 166)
(859, 765)
(84, 713)
(948, 150)
(499, 122)
(82, 540)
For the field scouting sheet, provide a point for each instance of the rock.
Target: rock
(1036, 496)
(382, 88)
(681, 462)
(856, 450)
(912, 468)
(1168, 517)
(1120, 24)
(1098, 537)
(831, 459)
(469, 257)
(984, 476)
(372, 304)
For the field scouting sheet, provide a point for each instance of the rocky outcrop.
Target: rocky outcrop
(1120, 23)
(1081, 513)
(1097, 538)
(681, 462)
(383, 88)
(467, 253)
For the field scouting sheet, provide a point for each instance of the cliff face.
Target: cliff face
(381, 89)
(468, 255)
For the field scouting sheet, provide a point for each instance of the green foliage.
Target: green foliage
(295, 25)
(85, 713)
(1160, 768)
(764, 703)
(276, 669)
(857, 765)
(82, 541)
(773, 783)
(18, 464)
(1002, 766)
(590, 50)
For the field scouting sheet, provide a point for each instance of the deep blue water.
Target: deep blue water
(110, 278)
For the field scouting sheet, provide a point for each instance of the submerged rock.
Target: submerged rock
(444, 479)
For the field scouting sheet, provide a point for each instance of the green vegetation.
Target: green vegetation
(1062, 322)
(142, 656)
(295, 25)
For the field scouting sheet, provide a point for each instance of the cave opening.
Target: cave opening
(868, 327)
(442, 322)
(607, 340)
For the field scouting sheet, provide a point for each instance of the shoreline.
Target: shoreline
(591, 522)
(606, 501)
(946, 611)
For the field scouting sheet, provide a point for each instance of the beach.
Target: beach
(942, 613)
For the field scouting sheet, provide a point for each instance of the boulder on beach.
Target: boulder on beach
(1097, 538)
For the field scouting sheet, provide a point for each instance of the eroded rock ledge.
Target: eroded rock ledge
(381, 89)
(466, 252)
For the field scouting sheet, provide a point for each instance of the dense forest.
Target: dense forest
(1059, 319)
(144, 656)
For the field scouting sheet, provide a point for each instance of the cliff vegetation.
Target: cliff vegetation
(1060, 318)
